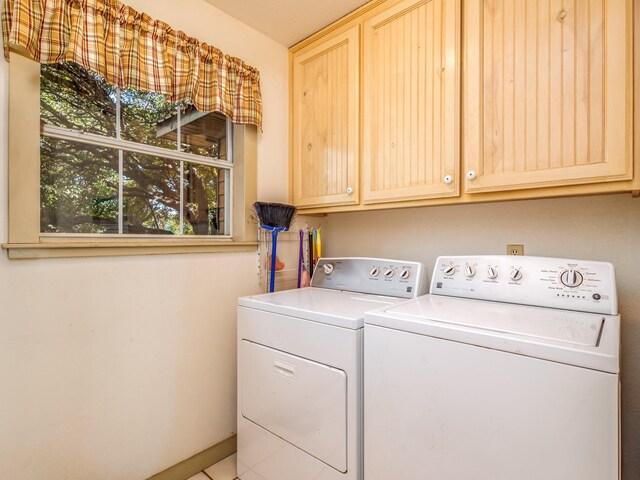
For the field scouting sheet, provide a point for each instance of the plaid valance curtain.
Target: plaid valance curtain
(130, 49)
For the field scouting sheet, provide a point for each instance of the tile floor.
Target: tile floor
(223, 470)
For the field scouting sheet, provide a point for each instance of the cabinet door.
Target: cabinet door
(411, 102)
(548, 93)
(325, 122)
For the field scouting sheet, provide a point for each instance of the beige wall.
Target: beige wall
(605, 228)
(117, 368)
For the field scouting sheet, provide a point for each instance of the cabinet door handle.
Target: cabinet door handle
(349, 190)
(471, 174)
(448, 179)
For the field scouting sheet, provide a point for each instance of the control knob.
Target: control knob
(469, 271)
(405, 274)
(571, 278)
(388, 273)
(374, 272)
(516, 274)
(327, 268)
(449, 270)
(492, 273)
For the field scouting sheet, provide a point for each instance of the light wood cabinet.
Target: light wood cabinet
(325, 121)
(548, 93)
(410, 102)
(519, 99)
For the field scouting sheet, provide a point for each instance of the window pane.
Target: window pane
(78, 188)
(72, 96)
(204, 133)
(151, 195)
(204, 200)
(148, 118)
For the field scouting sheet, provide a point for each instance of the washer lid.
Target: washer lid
(332, 307)
(574, 338)
(549, 324)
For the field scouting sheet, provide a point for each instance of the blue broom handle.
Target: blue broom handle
(274, 243)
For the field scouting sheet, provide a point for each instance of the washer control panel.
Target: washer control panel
(545, 282)
(375, 276)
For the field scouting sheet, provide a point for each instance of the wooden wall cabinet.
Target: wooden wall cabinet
(325, 121)
(466, 101)
(407, 104)
(548, 93)
(410, 102)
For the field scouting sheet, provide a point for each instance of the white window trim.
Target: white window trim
(128, 146)
(111, 142)
(25, 239)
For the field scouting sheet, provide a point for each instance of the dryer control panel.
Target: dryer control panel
(375, 276)
(539, 281)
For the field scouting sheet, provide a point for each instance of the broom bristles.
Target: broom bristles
(277, 215)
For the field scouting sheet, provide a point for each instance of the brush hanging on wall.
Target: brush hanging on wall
(274, 218)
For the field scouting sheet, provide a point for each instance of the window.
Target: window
(129, 162)
(106, 173)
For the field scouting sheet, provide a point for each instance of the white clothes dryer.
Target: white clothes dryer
(300, 369)
(508, 369)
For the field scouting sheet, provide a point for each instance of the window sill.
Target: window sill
(122, 247)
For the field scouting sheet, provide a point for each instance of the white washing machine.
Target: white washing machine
(507, 370)
(300, 369)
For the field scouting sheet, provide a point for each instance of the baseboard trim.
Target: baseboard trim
(192, 465)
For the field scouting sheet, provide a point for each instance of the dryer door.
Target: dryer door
(299, 400)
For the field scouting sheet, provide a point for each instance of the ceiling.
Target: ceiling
(287, 21)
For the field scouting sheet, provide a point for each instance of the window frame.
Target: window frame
(25, 239)
(122, 146)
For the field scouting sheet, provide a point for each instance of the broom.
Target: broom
(276, 218)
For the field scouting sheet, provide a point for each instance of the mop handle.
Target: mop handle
(300, 259)
(274, 243)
